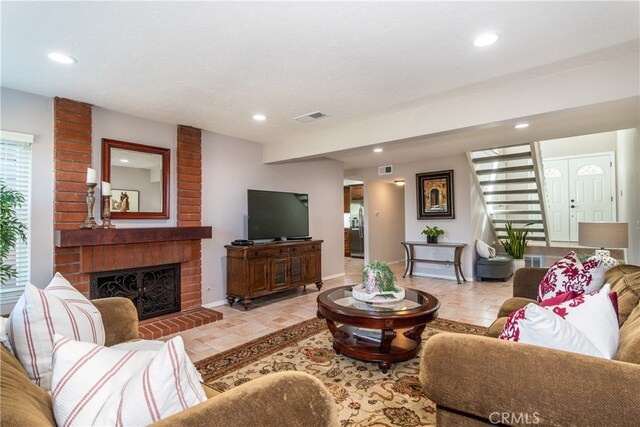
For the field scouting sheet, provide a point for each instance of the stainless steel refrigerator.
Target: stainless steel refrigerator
(357, 229)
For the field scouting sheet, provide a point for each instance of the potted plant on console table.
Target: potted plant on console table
(432, 233)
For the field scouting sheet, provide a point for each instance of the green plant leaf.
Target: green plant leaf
(516, 242)
(11, 229)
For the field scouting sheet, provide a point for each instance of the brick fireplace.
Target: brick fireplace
(78, 253)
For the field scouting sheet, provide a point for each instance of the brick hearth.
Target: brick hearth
(161, 326)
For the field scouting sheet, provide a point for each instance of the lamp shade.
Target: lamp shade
(603, 234)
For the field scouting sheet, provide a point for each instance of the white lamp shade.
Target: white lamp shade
(603, 234)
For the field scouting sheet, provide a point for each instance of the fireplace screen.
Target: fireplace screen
(154, 290)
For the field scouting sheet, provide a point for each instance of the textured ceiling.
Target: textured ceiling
(213, 64)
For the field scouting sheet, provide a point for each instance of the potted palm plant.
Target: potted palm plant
(432, 233)
(516, 243)
(11, 229)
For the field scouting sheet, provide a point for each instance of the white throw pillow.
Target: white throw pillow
(484, 250)
(538, 326)
(96, 385)
(39, 314)
(593, 314)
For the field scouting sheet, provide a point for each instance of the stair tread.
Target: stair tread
(513, 202)
(508, 181)
(507, 192)
(521, 212)
(526, 168)
(502, 157)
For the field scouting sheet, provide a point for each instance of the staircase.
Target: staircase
(510, 181)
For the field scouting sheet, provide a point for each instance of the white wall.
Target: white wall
(628, 194)
(113, 125)
(33, 114)
(384, 220)
(230, 166)
(578, 145)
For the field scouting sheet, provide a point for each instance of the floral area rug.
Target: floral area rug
(363, 394)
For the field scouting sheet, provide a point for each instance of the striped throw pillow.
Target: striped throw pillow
(39, 314)
(95, 385)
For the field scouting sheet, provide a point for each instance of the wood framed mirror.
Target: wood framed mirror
(139, 177)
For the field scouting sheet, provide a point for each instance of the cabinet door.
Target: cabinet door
(347, 199)
(357, 192)
(258, 280)
(313, 266)
(279, 279)
(297, 267)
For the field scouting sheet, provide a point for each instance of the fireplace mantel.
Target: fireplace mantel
(119, 236)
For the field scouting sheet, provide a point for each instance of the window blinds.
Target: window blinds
(15, 171)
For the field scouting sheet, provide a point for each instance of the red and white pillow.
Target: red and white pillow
(96, 385)
(569, 274)
(39, 314)
(587, 324)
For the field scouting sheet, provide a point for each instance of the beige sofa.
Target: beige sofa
(281, 399)
(477, 380)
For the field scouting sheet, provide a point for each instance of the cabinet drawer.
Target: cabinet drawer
(258, 253)
(305, 248)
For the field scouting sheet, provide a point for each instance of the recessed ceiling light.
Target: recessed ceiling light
(521, 125)
(124, 160)
(485, 40)
(61, 58)
(259, 117)
(378, 150)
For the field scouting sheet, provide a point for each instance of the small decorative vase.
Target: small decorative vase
(432, 239)
(518, 263)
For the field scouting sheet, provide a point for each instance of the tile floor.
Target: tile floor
(471, 302)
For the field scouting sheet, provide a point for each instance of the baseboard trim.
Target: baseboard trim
(435, 276)
(334, 276)
(215, 303)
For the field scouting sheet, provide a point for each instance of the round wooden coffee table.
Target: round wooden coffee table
(377, 332)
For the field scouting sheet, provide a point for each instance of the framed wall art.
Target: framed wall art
(435, 195)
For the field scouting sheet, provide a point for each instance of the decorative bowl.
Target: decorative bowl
(359, 292)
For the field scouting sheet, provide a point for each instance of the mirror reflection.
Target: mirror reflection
(136, 181)
(139, 179)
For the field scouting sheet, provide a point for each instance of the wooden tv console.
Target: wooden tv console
(267, 268)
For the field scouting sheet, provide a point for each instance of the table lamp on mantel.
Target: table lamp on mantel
(604, 234)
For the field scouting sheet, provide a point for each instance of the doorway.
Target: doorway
(578, 189)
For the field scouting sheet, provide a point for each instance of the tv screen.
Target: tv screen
(277, 215)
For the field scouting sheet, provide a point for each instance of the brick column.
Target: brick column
(72, 157)
(189, 155)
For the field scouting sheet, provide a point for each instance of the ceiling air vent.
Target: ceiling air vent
(385, 170)
(310, 117)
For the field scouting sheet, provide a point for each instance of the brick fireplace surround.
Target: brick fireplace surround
(114, 249)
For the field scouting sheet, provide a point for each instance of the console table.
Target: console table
(457, 254)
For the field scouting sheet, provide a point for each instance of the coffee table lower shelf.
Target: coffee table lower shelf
(394, 345)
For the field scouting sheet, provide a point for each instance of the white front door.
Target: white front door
(556, 184)
(577, 190)
(590, 191)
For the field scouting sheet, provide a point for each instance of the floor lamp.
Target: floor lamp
(604, 235)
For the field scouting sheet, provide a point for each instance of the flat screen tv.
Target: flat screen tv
(277, 215)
